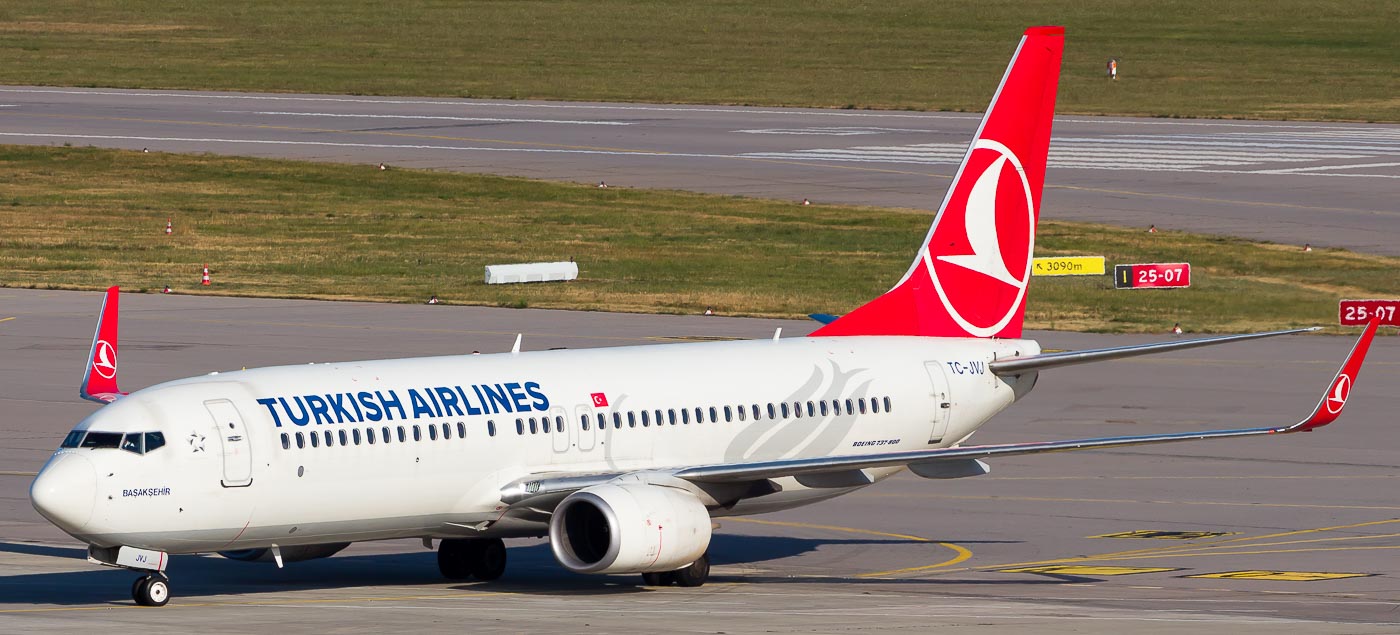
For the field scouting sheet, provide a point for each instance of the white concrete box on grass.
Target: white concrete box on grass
(531, 272)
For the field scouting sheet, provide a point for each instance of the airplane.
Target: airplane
(622, 457)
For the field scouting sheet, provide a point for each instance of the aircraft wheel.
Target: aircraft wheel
(490, 560)
(456, 558)
(655, 579)
(693, 575)
(151, 590)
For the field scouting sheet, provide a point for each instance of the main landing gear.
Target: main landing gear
(480, 558)
(151, 590)
(692, 575)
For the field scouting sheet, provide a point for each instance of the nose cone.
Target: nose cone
(65, 492)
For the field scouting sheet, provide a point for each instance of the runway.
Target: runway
(1294, 533)
(1326, 184)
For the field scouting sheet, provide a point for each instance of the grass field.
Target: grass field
(1283, 59)
(83, 218)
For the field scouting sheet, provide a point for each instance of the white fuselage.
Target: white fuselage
(224, 480)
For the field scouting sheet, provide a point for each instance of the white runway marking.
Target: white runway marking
(971, 118)
(1179, 153)
(579, 122)
(927, 154)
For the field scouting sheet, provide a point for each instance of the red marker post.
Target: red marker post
(1361, 312)
(1156, 275)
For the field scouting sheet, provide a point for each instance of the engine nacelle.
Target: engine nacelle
(629, 528)
(295, 553)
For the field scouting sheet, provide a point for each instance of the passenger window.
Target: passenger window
(315, 440)
(741, 412)
(797, 410)
(301, 441)
(728, 414)
(658, 418)
(403, 436)
(432, 432)
(850, 407)
(617, 420)
(699, 415)
(685, 416)
(446, 431)
(329, 438)
(874, 405)
(520, 426)
(356, 433)
(387, 437)
(671, 415)
(544, 423)
(602, 421)
(461, 430)
(73, 439)
(102, 440)
(583, 421)
(344, 440)
(785, 410)
(887, 404)
(558, 423)
(772, 412)
(714, 415)
(861, 402)
(823, 408)
(417, 433)
(756, 412)
(154, 440)
(645, 419)
(132, 443)
(286, 441)
(811, 411)
(534, 426)
(369, 435)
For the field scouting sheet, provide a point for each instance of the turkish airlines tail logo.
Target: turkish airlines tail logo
(100, 377)
(970, 276)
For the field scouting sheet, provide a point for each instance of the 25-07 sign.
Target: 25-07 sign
(1361, 312)
(1156, 275)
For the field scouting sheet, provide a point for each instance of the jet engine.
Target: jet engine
(295, 553)
(629, 528)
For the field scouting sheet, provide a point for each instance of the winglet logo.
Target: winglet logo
(104, 361)
(1338, 396)
(998, 228)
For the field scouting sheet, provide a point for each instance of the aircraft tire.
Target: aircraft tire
(693, 575)
(151, 590)
(489, 561)
(456, 558)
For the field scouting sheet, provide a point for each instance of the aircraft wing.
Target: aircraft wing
(536, 489)
(1020, 365)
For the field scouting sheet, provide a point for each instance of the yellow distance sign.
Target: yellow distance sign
(1068, 266)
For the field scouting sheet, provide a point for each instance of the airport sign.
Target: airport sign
(1155, 275)
(1361, 312)
(1068, 266)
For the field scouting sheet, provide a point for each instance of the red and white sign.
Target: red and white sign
(600, 400)
(1361, 312)
(1154, 275)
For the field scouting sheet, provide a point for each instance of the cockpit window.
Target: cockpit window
(102, 440)
(73, 439)
(132, 443)
(154, 440)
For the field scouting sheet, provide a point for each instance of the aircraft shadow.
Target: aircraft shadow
(532, 569)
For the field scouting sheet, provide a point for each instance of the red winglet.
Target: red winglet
(1330, 407)
(100, 377)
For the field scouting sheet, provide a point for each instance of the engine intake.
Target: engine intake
(629, 528)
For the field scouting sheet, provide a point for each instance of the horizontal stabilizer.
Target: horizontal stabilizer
(824, 318)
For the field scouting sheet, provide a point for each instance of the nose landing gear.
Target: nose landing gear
(151, 590)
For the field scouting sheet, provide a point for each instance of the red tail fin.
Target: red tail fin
(100, 378)
(969, 278)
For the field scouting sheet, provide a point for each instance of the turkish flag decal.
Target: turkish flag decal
(600, 400)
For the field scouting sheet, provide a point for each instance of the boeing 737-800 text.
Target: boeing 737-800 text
(621, 456)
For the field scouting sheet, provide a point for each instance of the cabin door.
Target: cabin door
(233, 442)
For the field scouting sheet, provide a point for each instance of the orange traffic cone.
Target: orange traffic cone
(205, 279)
(169, 227)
